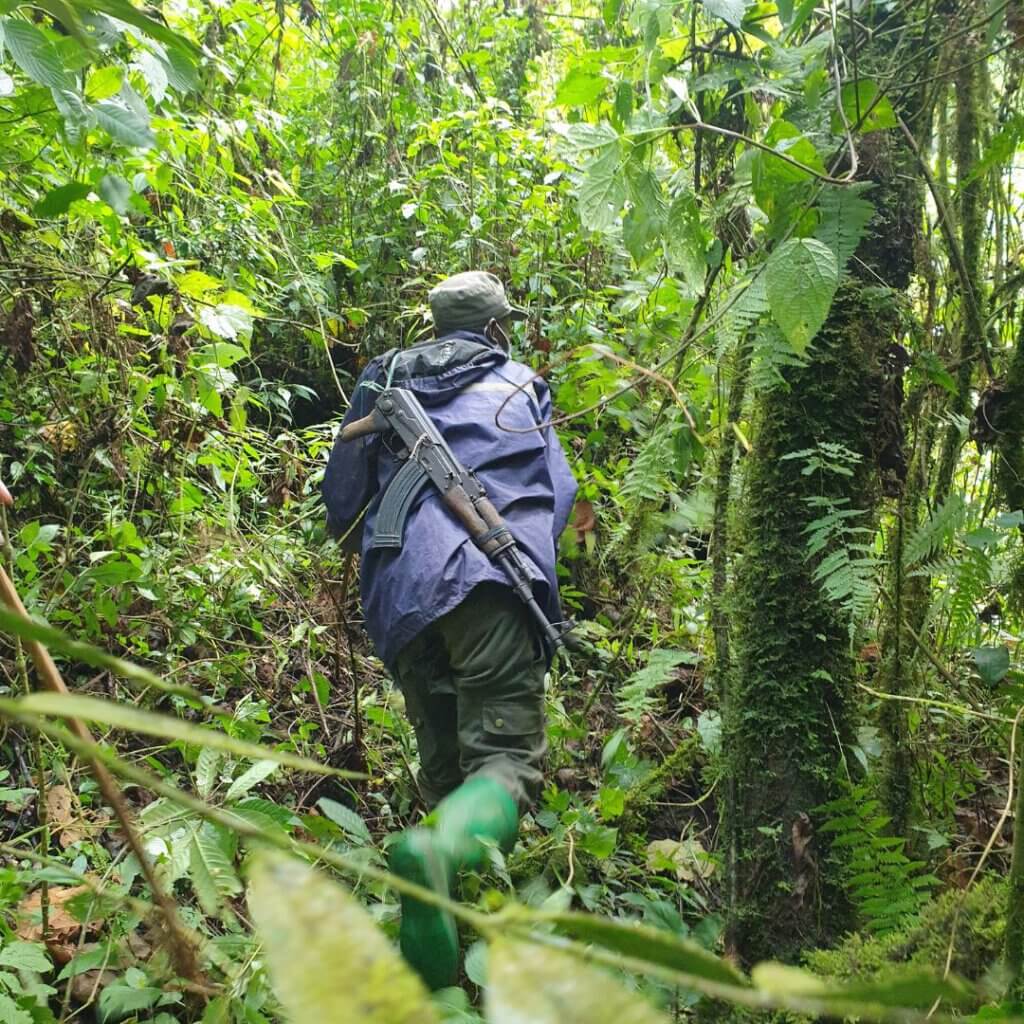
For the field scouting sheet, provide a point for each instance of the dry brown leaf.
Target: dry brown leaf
(60, 810)
(62, 926)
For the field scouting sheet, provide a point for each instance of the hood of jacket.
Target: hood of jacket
(436, 369)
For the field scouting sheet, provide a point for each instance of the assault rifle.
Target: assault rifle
(428, 457)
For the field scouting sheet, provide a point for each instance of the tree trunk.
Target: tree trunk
(790, 706)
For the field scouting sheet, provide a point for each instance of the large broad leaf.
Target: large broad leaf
(125, 119)
(992, 663)
(801, 278)
(582, 136)
(641, 942)
(132, 719)
(730, 11)
(328, 962)
(35, 54)
(580, 87)
(533, 984)
(863, 109)
(59, 200)
(128, 13)
(602, 191)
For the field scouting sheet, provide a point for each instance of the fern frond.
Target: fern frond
(935, 532)
(749, 306)
(637, 696)
(771, 354)
(845, 215)
(885, 886)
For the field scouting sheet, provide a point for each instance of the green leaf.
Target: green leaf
(911, 988)
(992, 663)
(253, 776)
(651, 945)
(226, 321)
(602, 191)
(345, 818)
(686, 242)
(35, 54)
(207, 766)
(327, 961)
(801, 279)
(58, 201)
(114, 190)
(128, 13)
(862, 107)
(132, 719)
(25, 956)
(580, 87)
(845, 215)
(582, 136)
(10, 1012)
(211, 867)
(730, 11)
(124, 123)
(541, 985)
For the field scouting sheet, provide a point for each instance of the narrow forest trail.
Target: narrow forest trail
(769, 260)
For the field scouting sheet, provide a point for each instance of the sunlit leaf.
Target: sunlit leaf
(328, 962)
(532, 984)
(133, 719)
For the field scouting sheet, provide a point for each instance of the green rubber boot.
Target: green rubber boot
(479, 808)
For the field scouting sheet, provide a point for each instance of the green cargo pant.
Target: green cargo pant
(473, 683)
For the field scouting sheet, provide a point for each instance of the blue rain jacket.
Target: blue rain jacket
(461, 381)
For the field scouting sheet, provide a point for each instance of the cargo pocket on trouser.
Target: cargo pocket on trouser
(507, 741)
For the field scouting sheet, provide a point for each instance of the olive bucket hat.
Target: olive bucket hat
(469, 301)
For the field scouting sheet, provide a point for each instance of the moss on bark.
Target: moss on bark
(790, 696)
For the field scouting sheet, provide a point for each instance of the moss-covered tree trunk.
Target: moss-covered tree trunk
(791, 695)
(1009, 478)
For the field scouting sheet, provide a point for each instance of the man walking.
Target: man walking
(442, 616)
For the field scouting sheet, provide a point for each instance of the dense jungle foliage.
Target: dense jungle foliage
(771, 252)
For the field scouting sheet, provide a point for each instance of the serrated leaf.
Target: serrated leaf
(801, 278)
(132, 719)
(582, 136)
(602, 191)
(730, 11)
(345, 818)
(25, 956)
(35, 54)
(251, 777)
(533, 984)
(58, 201)
(327, 961)
(641, 942)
